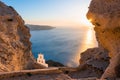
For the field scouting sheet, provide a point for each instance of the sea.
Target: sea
(63, 45)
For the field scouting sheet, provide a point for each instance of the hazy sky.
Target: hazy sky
(52, 12)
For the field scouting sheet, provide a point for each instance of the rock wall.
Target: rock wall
(15, 47)
(105, 15)
(93, 62)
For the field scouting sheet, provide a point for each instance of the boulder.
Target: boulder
(93, 62)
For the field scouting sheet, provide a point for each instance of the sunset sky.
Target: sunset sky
(52, 12)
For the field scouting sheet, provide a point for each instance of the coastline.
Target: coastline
(39, 27)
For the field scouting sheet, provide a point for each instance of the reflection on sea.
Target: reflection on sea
(63, 45)
(89, 41)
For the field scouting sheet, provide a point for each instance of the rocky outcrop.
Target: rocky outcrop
(94, 61)
(15, 47)
(105, 15)
(52, 63)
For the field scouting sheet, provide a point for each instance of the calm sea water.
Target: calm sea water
(62, 44)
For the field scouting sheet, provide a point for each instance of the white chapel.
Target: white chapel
(41, 60)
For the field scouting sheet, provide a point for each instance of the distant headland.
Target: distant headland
(39, 27)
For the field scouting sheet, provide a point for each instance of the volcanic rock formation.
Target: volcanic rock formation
(105, 15)
(93, 62)
(15, 47)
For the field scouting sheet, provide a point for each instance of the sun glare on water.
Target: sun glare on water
(89, 40)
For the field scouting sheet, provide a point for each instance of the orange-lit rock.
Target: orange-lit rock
(105, 16)
(15, 47)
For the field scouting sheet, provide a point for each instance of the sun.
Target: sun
(87, 22)
(90, 20)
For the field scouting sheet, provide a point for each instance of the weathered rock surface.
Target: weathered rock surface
(41, 77)
(15, 47)
(93, 62)
(105, 15)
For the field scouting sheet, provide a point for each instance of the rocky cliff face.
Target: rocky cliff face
(15, 47)
(105, 15)
(93, 62)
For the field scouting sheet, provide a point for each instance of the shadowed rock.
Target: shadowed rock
(52, 63)
(93, 62)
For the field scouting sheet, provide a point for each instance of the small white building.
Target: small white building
(41, 60)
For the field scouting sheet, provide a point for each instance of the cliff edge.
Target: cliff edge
(15, 47)
(105, 15)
